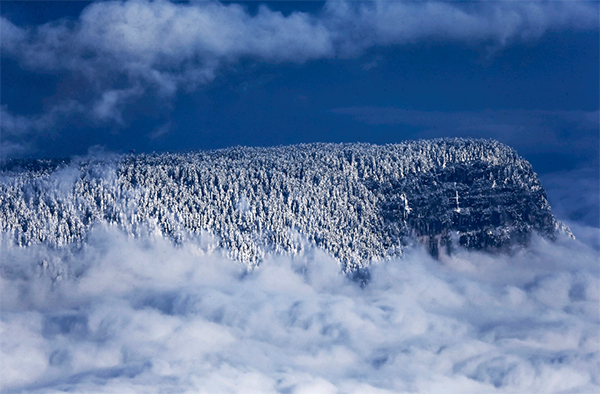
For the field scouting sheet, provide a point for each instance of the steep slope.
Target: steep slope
(359, 202)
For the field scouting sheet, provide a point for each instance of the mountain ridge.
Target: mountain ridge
(359, 202)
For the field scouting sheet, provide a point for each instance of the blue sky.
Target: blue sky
(162, 76)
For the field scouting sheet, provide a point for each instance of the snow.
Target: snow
(359, 202)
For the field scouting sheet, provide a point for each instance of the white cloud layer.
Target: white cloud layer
(125, 315)
(127, 49)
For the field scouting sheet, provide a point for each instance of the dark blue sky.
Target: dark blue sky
(161, 76)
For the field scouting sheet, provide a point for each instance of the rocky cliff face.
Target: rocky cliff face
(359, 202)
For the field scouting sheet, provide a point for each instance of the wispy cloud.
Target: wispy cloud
(160, 131)
(16, 129)
(523, 129)
(129, 49)
(575, 195)
(17, 125)
(364, 24)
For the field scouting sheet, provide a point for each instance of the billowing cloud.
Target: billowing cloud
(166, 45)
(129, 49)
(131, 315)
(107, 107)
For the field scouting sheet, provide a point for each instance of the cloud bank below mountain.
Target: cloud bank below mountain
(130, 315)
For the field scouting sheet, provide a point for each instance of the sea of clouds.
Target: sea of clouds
(130, 315)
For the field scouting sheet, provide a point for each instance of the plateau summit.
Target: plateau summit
(358, 202)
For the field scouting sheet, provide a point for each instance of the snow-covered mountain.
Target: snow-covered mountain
(359, 202)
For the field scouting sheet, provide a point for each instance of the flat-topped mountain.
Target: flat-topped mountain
(359, 202)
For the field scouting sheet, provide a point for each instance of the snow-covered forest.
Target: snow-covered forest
(359, 202)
